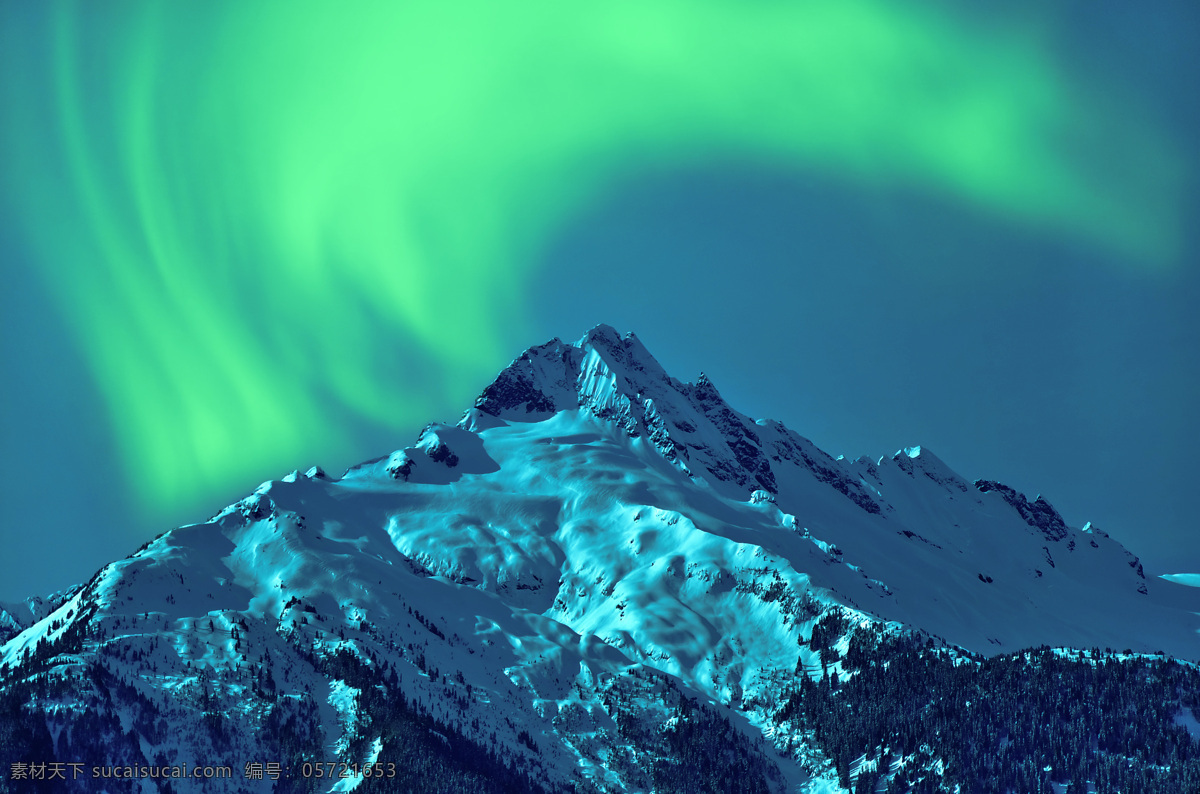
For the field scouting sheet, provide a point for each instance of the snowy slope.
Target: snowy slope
(593, 530)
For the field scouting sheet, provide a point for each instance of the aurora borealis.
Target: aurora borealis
(268, 225)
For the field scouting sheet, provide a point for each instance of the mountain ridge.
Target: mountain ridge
(592, 534)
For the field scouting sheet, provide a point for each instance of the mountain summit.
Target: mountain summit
(601, 579)
(615, 379)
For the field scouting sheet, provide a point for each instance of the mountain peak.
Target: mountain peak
(605, 337)
(616, 380)
(514, 587)
(599, 369)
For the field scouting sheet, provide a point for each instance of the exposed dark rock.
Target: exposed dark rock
(1038, 514)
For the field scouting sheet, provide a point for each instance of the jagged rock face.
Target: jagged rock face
(522, 388)
(748, 459)
(1039, 513)
(594, 540)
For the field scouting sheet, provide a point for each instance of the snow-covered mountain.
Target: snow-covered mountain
(594, 578)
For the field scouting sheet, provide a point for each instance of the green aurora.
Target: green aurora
(250, 212)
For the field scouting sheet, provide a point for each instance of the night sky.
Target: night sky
(237, 241)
